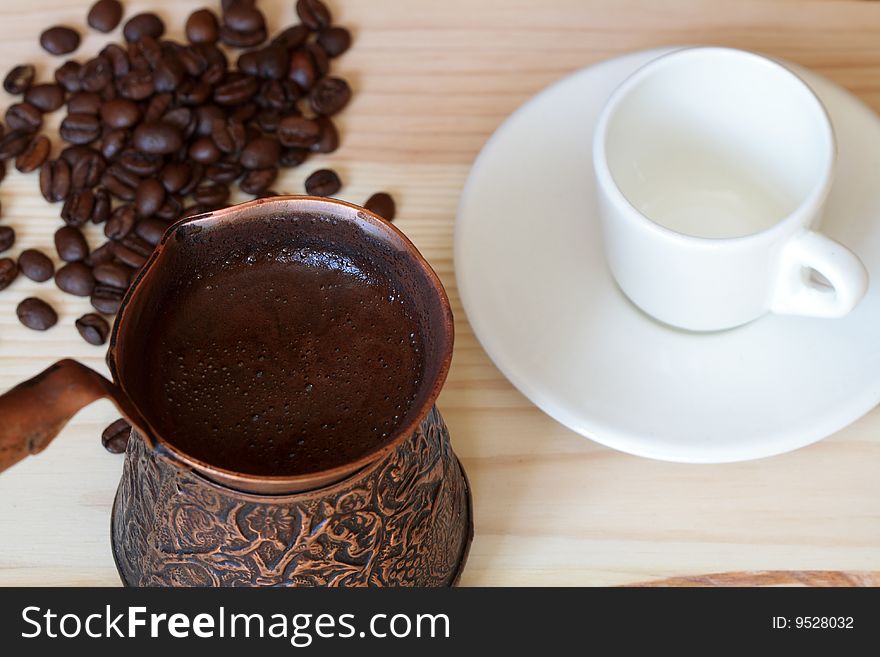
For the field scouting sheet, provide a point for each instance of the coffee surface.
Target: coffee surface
(283, 363)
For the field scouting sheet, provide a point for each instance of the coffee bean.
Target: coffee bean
(236, 39)
(143, 25)
(329, 95)
(194, 59)
(197, 172)
(248, 62)
(157, 107)
(24, 116)
(244, 113)
(132, 251)
(151, 230)
(36, 314)
(78, 207)
(115, 179)
(329, 140)
(19, 79)
(272, 63)
(96, 74)
(93, 328)
(157, 138)
(293, 157)
(13, 143)
(320, 57)
(113, 143)
(334, 40)
(204, 150)
(257, 181)
(302, 70)
(149, 197)
(381, 204)
(115, 437)
(7, 238)
(32, 158)
(323, 182)
(87, 169)
(84, 102)
(280, 95)
(80, 128)
(70, 244)
(168, 74)
(75, 278)
(174, 175)
(211, 194)
(67, 75)
(314, 14)
(45, 97)
(101, 210)
(36, 265)
(201, 27)
(105, 15)
(118, 59)
(230, 136)
(205, 117)
(73, 153)
(8, 272)
(244, 17)
(99, 256)
(223, 172)
(55, 180)
(298, 131)
(291, 37)
(139, 164)
(170, 209)
(144, 53)
(106, 299)
(193, 92)
(268, 120)
(235, 89)
(136, 85)
(120, 113)
(114, 274)
(59, 40)
(260, 153)
(120, 223)
(182, 118)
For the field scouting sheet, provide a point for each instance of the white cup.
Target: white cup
(713, 166)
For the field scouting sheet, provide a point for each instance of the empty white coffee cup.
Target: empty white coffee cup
(713, 166)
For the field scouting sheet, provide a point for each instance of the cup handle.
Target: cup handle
(797, 294)
(35, 411)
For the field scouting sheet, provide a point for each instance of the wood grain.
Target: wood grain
(432, 81)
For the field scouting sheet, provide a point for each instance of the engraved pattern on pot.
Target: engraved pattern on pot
(404, 521)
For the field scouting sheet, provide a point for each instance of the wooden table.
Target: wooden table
(433, 80)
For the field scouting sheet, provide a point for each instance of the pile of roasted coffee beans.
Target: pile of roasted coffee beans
(157, 130)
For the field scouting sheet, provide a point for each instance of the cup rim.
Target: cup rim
(286, 484)
(807, 205)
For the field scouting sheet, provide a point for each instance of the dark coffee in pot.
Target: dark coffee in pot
(293, 362)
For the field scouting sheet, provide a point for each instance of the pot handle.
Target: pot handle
(34, 412)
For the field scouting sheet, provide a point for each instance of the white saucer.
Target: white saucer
(536, 290)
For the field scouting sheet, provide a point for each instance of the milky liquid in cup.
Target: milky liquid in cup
(289, 362)
(697, 193)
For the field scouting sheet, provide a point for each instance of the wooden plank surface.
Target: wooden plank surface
(433, 80)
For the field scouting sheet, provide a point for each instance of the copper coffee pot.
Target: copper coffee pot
(398, 515)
